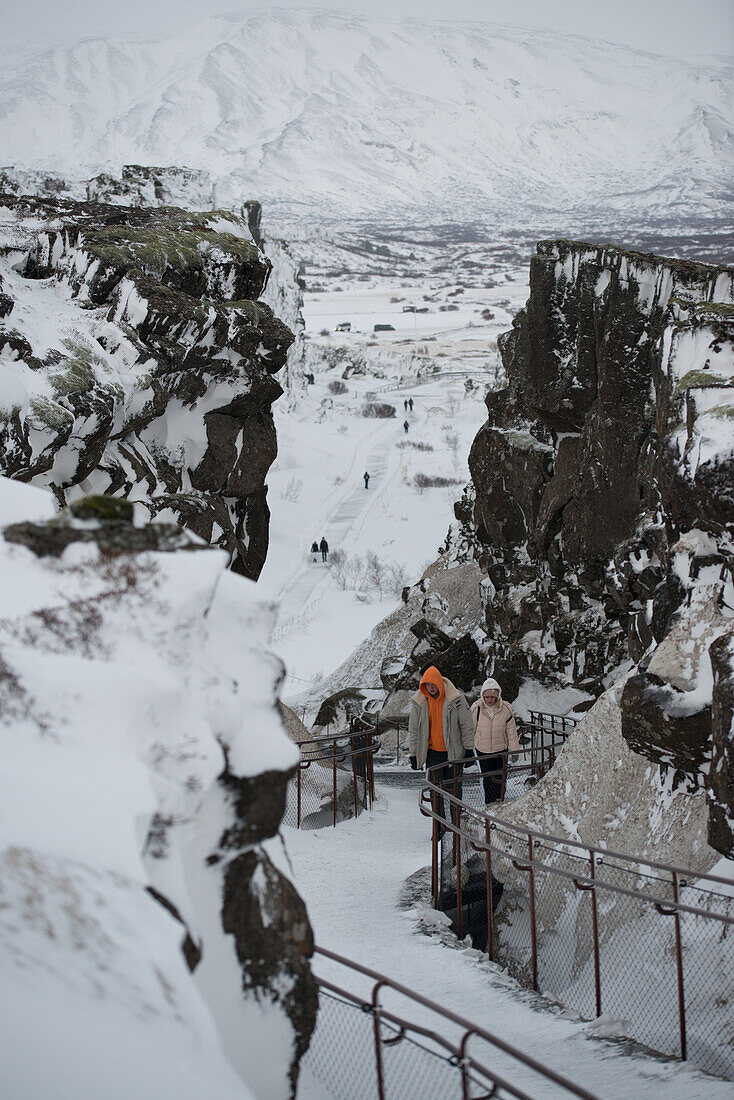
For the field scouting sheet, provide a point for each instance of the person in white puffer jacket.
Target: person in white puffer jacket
(495, 734)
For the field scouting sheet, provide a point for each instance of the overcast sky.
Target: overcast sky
(683, 28)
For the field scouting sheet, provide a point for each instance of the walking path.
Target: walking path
(347, 518)
(353, 879)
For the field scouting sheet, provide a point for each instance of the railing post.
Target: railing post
(371, 768)
(333, 779)
(679, 964)
(298, 795)
(435, 851)
(533, 928)
(354, 782)
(595, 933)
(459, 891)
(488, 874)
(465, 1083)
(378, 1041)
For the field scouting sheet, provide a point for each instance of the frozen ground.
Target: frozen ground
(316, 489)
(353, 881)
(325, 444)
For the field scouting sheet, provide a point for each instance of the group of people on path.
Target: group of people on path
(443, 730)
(408, 404)
(322, 546)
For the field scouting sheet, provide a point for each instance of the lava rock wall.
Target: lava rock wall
(137, 361)
(602, 501)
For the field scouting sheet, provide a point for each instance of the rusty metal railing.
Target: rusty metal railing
(645, 948)
(547, 731)
(328, 768)
(375, 1038)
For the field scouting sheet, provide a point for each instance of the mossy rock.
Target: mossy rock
(50, 414)
(155, 249)
(74, 376)
(703, 380)
(103, 508)
(717, 311)
(722, 412)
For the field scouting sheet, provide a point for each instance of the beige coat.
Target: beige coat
(494, 727)
(458, 731)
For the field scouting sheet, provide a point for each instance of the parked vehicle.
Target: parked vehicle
(408, 309)
(384, 328)
(344, 326)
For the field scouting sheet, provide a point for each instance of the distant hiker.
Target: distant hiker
(324, 548)
(495, 734)
(366, 477)
(406, 425)
(440, 732)
(315, 549)
(405, 404)
(410, 403)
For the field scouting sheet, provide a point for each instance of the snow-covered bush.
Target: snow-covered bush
(414, 445)
(378, 410)
(424, 481)
(368, 574)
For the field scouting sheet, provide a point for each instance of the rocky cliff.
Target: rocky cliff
(602, 501)
(137, 361)
(144, 771)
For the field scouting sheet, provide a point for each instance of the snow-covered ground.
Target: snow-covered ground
(353, 881)
(325, 445)
(316, 489)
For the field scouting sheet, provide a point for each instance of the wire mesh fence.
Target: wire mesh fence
(378, 1040)
(643, 947)
(335, 780)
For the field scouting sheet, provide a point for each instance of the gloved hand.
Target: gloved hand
(470, 762)
(515, 757)
(414, 763)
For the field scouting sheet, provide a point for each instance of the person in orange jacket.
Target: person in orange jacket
(440, 731)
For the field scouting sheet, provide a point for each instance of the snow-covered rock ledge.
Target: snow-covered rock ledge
(149, 947)
(135, 359)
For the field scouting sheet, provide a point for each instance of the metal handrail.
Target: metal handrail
(500, 823)
(582, 881)
(340, 753)
(460, 1057)
(453, 821)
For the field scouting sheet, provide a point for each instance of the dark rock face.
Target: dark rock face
(340, 707)
(602, 487)
(273, 939)
(720, 779)
(655, 724)
(166, 396)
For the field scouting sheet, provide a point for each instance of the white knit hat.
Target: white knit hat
(490, 685)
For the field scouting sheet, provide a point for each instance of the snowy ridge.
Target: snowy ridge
(121, 704)
(322, 108)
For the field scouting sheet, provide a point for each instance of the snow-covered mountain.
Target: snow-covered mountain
(345, 113)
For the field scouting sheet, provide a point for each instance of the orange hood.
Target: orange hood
(432, 676)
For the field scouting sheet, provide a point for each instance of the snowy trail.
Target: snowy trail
(344, 521)
(351, 878)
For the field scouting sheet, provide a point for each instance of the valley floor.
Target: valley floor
(353, 879)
